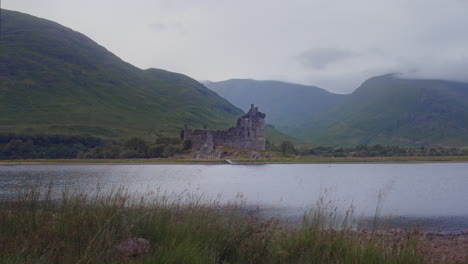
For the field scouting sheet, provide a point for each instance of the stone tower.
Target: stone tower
(251, 130)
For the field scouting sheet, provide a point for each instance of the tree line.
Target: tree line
(15, 146)
(377, 150)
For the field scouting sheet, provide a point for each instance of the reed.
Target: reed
(37, 227)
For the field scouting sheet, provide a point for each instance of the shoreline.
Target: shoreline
(377, 160)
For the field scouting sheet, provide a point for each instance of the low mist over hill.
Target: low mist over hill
(56, 80)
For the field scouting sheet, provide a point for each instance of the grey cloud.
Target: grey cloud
(167, 26)
(157, 27)
(436, 68)
(320, 58)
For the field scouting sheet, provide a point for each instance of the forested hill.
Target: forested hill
(391, 110)
(54, 80)
(289, 107)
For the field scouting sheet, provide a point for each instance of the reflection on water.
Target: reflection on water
(414, 191)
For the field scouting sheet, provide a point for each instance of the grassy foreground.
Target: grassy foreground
(85, 229)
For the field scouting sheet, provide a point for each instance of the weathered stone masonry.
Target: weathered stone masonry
(247, 134)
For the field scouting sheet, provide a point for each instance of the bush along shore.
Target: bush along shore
(116, 227)
(30, 147)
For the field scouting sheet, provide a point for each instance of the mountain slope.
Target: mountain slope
(389, 110)
(289, 107)
(56, 80)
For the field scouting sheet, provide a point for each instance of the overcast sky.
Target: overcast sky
(333, 44)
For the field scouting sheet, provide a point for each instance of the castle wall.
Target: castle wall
(247, 134)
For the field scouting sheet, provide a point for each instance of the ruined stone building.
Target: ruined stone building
(247, 134)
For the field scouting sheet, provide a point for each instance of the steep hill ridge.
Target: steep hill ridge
(391, 110)
(56, 80)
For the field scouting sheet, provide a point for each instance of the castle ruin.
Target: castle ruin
(247, 134)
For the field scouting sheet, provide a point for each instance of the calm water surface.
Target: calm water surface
(434, 193)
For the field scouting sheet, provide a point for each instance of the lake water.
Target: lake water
(434, 194)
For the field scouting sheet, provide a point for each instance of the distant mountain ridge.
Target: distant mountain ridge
(391, 110)
(289, 107)
(383, 110)
(56, 80)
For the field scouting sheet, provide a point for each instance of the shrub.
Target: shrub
(287, 148)
(170, 150)
(156, 151)
(187, 144)
(132, 154)
(107, 152)
(136, 147)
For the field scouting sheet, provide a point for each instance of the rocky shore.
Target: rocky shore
(435, 247)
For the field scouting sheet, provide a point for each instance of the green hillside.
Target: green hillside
(390, 110)
(289, 107)
(276, 137)
(56, 80)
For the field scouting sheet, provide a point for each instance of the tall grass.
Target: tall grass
(80, 228)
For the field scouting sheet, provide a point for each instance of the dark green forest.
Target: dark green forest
(14, 146)
(376, 150)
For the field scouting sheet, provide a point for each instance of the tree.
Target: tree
(170, 150)
(136, 147)
(107, 152)
(187, 144)
(18, 149)
(156, 151)
(268, 144)
(287, 148)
